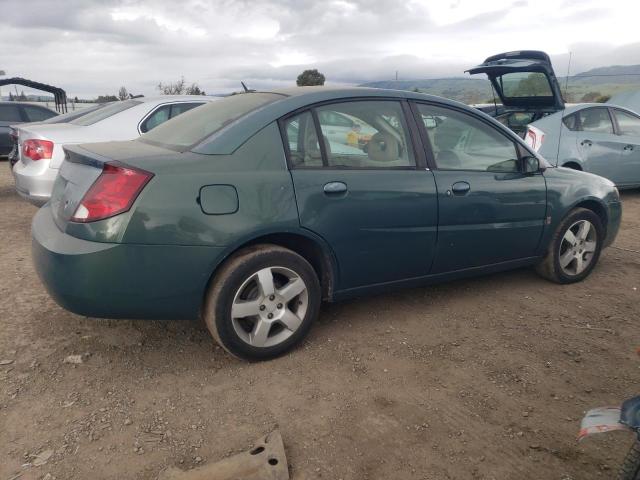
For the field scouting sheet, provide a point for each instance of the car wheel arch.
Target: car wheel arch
(312, 248)
(596, 207)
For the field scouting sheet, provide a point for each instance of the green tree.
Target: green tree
(309, 78)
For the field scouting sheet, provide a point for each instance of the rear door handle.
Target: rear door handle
(460, 188)
(586, 143)
(628, 147)
(333, 188)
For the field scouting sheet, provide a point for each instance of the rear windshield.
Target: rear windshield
(105, 112)
(195, 125)
(67, 117)
(525, 84)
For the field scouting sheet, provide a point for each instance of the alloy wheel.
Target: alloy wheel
(269, 306)
(577, 247)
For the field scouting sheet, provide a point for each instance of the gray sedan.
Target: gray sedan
(599, 138)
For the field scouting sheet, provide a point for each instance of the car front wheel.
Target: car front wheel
(262, 302)
(574, 249)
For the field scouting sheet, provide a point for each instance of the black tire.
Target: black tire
(550, 268)
(226, 285)
(630, 468)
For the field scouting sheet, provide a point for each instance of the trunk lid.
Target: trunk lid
(83, 165)
(523, 79)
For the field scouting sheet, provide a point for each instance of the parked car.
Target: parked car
(14, 154)
(526, 85)
(18, 112)
(40, 150)
(242, 212)
(599, 138)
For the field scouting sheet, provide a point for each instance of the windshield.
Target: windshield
(525, 84)
(105, 112)
(197, 124)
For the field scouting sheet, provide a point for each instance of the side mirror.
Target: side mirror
(530, 165)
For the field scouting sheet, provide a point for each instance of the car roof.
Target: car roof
(580, 106)
(233, 135)
(173, 98)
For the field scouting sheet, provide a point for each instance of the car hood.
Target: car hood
(523, 79)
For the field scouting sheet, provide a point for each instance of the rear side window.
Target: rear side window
(365, 134)
(627, 124)
(304, 148)
(178, 108)
(10, 113)
(571, 122)
(462, 142)
(105, 112)
(159, 116)
(36, 114)
(194, 126)
(595, 120)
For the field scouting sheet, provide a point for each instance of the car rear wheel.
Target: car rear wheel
(574, 249)
(262, 302)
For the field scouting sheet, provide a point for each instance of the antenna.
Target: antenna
(566, 81)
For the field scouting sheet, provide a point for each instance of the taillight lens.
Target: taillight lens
(112, 193)
(534, 138)
(37, 149)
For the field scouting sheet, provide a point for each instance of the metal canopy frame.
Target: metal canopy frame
(60, 96)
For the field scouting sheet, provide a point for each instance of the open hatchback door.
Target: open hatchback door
(526, 84)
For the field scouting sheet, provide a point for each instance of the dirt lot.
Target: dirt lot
(480, 379)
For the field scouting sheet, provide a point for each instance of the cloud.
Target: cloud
(92, 47)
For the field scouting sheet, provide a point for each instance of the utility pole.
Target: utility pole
(396, 75)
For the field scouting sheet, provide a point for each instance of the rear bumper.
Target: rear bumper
(613, 224)
(34, 182)
(112, 280)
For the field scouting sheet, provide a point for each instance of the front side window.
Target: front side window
(462, 142)
(628, 124)
(370, 134)
(159, 116)
(595, 120)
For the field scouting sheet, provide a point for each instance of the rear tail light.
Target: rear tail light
(37, 149)
(534, 138)
(112, 193)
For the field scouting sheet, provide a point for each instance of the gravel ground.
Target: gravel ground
(481, 379)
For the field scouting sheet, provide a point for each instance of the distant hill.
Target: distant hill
(597, 83)
(616, 74)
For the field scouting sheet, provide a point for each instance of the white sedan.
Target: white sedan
(39, 146)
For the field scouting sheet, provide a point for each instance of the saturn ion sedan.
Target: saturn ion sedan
(245, 213)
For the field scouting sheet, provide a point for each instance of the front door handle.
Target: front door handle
(460, 188)
(628, 148)
(586, 143)
(333, 188)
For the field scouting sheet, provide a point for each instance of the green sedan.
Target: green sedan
(249, 212)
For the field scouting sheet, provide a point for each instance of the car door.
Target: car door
(628, 130)
(598, 147)
(376, 204)
(489, 211)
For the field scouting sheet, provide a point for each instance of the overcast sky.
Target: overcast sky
(91, 47)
